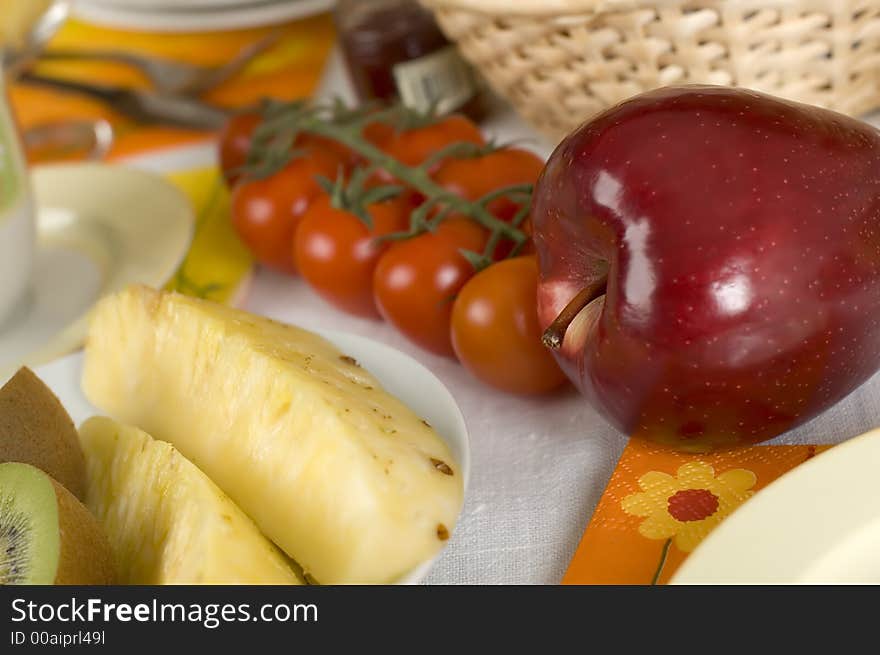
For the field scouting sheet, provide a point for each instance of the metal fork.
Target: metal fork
(173, 78)
(143, 106)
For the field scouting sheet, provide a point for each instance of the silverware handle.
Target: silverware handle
(182, 112)
(107, 94)
(144, 107)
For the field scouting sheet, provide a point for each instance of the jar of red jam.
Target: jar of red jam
(394, 50)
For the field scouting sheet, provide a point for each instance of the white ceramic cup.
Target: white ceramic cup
(17, 228)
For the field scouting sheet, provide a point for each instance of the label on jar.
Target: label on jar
(442, 81)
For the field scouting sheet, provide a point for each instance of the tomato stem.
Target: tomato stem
(518, 219)
(518, 189)
(459, 150)
(281, 128)
(415, 177)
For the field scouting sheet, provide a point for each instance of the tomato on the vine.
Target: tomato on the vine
(417, 279)
(266, 211)
(337, 253)
(495, 331)
(415, 146)
(378, 133)
(235, 143)
(474, 177)
(236, 139)
(313, 143)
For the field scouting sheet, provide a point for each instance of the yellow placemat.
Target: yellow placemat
(659, 505)
(218, 266)
(290, 69)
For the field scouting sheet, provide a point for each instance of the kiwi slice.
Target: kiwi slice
(36, 429)
(46, 535)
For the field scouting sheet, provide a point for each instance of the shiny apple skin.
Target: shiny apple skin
(740, 235)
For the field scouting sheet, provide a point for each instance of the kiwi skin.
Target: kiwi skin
(36, 429)
(85, 557)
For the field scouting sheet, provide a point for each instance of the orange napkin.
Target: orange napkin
(290, 69)
(659, 505)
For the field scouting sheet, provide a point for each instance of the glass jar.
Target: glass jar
(394, 50)
(17, 230)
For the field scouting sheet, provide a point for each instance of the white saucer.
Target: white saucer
(201, 19)
(177, 5)
(398, 373)
(817, 524)
(99, 229)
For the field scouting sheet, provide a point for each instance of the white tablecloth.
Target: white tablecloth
(539, 466)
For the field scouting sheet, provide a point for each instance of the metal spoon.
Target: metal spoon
(67, 141)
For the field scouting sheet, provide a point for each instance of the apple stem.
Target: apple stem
(555, 334)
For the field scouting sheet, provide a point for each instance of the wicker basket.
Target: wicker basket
(561, 61)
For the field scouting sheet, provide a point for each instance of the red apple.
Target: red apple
(710, 263)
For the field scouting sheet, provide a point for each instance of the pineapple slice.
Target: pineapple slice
(344, 477)
(167, 522)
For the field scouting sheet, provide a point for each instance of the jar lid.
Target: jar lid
(374, 23)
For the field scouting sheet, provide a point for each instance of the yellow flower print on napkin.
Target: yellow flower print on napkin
(659, 503)
(684, 508)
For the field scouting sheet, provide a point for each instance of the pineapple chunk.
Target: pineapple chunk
(344, 477)
(167, 522)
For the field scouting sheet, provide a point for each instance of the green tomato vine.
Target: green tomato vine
(274, 146)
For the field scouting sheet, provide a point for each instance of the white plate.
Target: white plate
(817, 524)
(400, 374)
(199, 20)
(100, 228)
(178, 5)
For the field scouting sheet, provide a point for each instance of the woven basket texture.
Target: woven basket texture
(561, 61)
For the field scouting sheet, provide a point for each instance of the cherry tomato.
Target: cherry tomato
(413, 147)
(495, 330)
(237, 136)
(474, 177)
(313, 143)
(266, 212)
(235, 142)
(336, 253)
(416, 281)
(378, 133)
